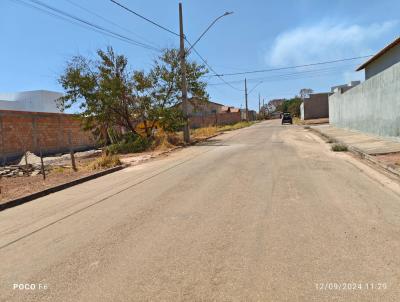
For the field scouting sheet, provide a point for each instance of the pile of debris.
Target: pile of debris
(21, 170)
(29, 165)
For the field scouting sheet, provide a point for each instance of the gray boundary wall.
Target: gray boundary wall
(372, 107)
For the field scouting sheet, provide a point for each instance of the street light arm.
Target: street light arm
(207, 29)
(255, 86)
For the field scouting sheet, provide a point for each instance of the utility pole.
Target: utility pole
(264, 109)
(245, 95)
(259, 104)
(186, 133)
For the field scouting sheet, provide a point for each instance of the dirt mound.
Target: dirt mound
(32, 159)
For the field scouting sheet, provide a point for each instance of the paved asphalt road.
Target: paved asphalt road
(265, 213)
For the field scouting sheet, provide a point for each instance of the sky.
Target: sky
(260, 34)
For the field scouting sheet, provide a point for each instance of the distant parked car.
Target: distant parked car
(287, 118)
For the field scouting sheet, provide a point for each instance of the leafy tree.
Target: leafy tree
(104, 90)
(292, 106)
(165, 93)
(172, 119)
(108, 94)
(305, 92)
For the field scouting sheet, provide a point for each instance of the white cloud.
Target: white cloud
(327, 40)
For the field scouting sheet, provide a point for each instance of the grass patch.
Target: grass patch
(204, 132)
(130, 143)
(167, 140)
(104, 162)
(59, 169)
(339, 147)
(235, 126)
(298, 121)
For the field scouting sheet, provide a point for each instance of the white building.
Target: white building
(374, 105)
(34, 101)
(345, 87)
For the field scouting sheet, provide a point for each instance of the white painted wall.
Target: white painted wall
(373, 106)
(302, 111)
(391, 57)
(34, 101)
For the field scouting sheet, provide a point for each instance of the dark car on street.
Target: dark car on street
(287, 118)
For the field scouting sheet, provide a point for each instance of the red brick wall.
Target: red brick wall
(29, 131)
(214, 119)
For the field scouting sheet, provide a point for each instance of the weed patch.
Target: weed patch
(104, 162)
(130, 144)
(339, 147)
(204, 132)
(235, 126)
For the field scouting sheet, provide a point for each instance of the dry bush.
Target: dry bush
(236, 126)
(204, 132)
(167, 140)
(298, 121)
(175, 139)
(161, 142)
(60, 169)
(104, 162)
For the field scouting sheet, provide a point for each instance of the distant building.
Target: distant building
(33, 101)
(229, 109)
(203, 113)
(385, 58)
(344, 87)
(252, 115)
(315, 106)
(274, 104)
(197, 107)
(374, 105)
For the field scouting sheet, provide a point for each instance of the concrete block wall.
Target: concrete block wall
(32, 131)
(316, 106)
(372, 107)
(214, 119)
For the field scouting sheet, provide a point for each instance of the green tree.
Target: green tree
(165, 93)
(108, 94)
(104, 90)
(305, 93)
(292, 106)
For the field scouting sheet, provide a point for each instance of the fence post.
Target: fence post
(42, 164)
(2, 149)
(71, 151)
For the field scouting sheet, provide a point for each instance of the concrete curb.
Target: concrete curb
(27, 198)
(360, 153)
(19, 201)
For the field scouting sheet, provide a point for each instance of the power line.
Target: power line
(110, 21)
(255, 86)
(208, 65)
(144, 18)
(286, 79)
(52, 14)
(288, 75)
(290, 67)
(76, 20)
(176, 34)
